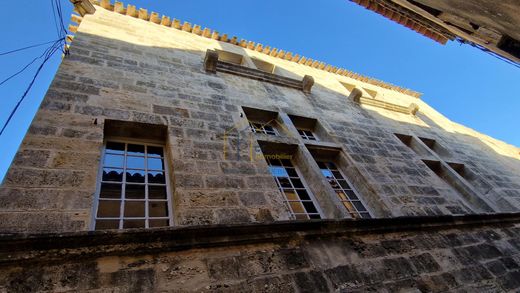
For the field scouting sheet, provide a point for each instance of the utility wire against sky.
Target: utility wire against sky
(47, 54)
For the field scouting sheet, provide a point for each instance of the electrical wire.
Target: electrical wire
(46, 55)
(25, 48)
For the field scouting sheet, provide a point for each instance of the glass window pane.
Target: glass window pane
(111, 174)
(155, 164)
(286, 163)
(291, 195)
(326, 173)
(156, 192)
(108, 208)
(297, 183)
(115, 148)
(135, 191)
(348, 206)
(316, 216)
(128, 224)
(341, 195)
(278, 171)
(330, 165)
(158, 223)
(134, 209)
(322, 165)
(134, 149)
(366, 216)
(291, 172)
(113, 161)
(268, 127)
(110, 190)
(309, 207)
(297, 207)
(156, 177)
(355, 215)
(334, 184)
(301, 217)
(274, 162)
(136, 176)
(155, 151)
(135, 162)
(301, 132)
(158, 209)
(359, 206)
(284, 182)
(351, 195)
(107, 224)
(337, 174)
(312, 138)
(343, 184)
(303, 194)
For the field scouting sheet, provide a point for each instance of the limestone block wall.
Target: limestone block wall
(341, 257)
(127, 69)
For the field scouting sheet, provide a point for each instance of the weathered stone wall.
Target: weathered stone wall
(128, 69)
(460, 255)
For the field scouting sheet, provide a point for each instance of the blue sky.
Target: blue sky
(463, 83)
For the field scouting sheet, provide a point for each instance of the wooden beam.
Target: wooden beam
(83, 7)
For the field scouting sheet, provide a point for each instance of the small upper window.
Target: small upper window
(307, 134)
(133, 190)
(258, 127)
(263, 65)
(262, 121)
(230, 57)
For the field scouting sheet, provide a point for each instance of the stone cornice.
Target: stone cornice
(28, 248)
(163, 20)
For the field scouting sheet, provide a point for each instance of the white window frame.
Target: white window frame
(262, 129)
(305, 186)
(121, 217)
(360, 198)
(306, 136)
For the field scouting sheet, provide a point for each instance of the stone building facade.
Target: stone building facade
(167, 157)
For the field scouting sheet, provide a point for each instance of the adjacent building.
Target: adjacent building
(170, 157)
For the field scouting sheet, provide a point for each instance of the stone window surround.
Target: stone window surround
(325, 195)
(354, 203)
(437, 159)
(290, 187)
(169, 201)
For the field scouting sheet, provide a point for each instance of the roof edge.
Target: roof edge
(131, 10)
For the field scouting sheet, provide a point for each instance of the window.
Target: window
(263, 65)
(230, 57)
(257, 127)
(133, 189)
(298, 198)
(262, 121)
(307, 134)
(308, 128)
(348, 196)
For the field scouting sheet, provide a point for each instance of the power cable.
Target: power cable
(25, 48)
